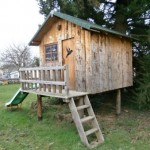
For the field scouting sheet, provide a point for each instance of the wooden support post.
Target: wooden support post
(118, 102)
(39, 107)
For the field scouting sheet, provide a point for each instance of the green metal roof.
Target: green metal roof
(83, 23)
(86, 24)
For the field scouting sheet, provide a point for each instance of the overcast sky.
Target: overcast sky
(19, 20)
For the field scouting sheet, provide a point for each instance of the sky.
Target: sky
(19, 20)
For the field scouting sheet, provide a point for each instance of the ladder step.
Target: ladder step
(82, 107)
(85, 119)
(91, 131)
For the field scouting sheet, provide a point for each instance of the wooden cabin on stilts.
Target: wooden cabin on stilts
(78, 58)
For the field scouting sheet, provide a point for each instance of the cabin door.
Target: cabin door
(68, 54)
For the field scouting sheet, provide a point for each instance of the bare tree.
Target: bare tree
(17, 56)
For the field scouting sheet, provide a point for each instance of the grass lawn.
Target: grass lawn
(20, 129)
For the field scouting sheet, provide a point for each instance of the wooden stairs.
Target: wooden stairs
(85, 121)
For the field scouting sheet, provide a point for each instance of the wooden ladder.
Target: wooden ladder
(85, 121)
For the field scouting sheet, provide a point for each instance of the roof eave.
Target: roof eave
(113, 32)
(34, 43)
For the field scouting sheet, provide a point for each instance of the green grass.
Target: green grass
(20, 129)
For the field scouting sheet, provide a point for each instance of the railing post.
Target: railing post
(40, 86)
(59, 79)
(35, 78)
(21, 77)
(27, 77)
(48, 78)
(54, 79)
(44, 79)
(31, 78)
(66, 79)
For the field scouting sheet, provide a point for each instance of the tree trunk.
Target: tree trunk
(121, 24)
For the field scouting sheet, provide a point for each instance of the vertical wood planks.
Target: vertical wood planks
(66, 79)
(27, 77)
(59, 79)
(40, 86)
(31, 78)
(95, 61)
(108, 62)
(48, 78)
(126, 64)
(88, 61)
(54, 79)
(35, 78)
(22, 76)
(44, 79)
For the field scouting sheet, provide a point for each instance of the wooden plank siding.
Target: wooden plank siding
(111, 59)
(80, 59)
(103, 62)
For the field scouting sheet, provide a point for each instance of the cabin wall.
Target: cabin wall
(103, 62)
(108, 64)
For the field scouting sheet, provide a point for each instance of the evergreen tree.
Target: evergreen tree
(128, 16)
(142, 91)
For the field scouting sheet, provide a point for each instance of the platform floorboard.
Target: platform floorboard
(57, 94)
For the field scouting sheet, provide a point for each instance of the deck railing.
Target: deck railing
(45, 79)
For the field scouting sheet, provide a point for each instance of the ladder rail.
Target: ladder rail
(95, 122)
(77, 121)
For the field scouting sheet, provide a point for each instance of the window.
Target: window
(51, 52)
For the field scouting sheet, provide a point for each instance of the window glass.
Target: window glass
(54, 48)
(51, 52)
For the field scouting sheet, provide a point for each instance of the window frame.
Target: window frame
(50, 52)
